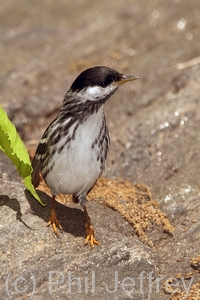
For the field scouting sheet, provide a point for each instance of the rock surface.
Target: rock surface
(155, 140)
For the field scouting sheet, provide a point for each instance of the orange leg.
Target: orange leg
(89, 230)
(53, 219)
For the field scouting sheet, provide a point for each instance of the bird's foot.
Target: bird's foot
(90, 236)
(54, 222)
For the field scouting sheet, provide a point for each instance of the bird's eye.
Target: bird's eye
(104, 84)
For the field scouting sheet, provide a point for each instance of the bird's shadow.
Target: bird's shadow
(71, 219)
(13, 204)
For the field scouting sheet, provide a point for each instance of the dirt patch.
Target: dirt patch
(194, 293)
(134, 202)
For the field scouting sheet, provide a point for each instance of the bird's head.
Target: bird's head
(98, 83)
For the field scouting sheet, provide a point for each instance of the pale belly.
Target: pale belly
(77, 167)
(75, 171)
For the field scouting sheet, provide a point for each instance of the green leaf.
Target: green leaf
(28, 184)
(14, 148)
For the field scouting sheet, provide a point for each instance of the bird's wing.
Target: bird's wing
(41, 154)
(38, 160)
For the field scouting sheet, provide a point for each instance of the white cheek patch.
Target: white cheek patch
(96, 92)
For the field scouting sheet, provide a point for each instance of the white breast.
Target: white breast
(76, 168)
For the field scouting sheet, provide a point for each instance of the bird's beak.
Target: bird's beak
(126, 78)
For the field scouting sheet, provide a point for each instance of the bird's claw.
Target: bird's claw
(90, 236)
(54, 222)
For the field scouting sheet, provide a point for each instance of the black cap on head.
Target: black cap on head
(96, 76)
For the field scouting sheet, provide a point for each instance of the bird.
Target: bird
(72, 152)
